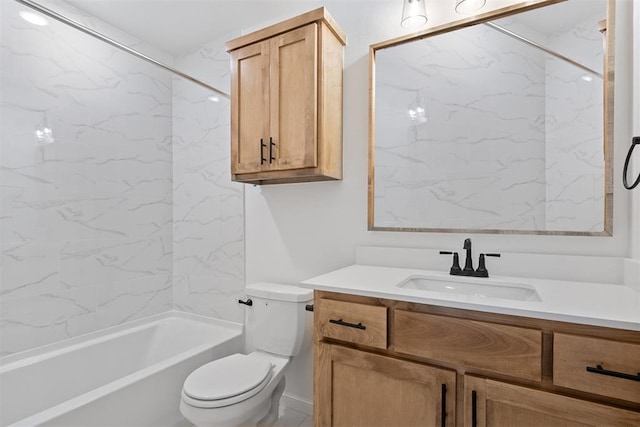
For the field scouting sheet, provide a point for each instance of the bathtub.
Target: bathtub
(130, 375)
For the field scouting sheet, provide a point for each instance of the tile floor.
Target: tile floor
(292, 418)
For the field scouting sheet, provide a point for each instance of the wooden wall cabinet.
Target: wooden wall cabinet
(390, 363)
(286, 101)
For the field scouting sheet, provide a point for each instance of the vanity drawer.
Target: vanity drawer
(502, 349)
(572, 355)
(352, 322)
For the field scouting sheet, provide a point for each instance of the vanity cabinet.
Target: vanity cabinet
(286, 101)
(383, 362)
(361, 388)
(495, 403)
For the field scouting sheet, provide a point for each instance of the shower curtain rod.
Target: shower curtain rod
(52, 14)
(542, 48)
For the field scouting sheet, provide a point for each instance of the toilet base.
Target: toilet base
(273, 414)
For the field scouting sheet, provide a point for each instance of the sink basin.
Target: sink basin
(483, 288)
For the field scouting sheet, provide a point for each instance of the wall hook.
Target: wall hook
(635, 141)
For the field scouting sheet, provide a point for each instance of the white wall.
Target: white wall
(296, 231)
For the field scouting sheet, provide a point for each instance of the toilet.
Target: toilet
(245, 389)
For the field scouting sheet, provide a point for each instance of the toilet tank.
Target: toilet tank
(277, 322)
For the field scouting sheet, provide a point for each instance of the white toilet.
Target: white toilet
(245, 390)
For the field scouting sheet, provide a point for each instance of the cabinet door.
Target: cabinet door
(500, 404)
(250, 108)
(294, 99)
(356, 388)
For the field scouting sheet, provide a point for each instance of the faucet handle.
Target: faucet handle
(482, 268)
(455, 267)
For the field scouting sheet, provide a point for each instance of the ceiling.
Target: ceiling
(180, 26)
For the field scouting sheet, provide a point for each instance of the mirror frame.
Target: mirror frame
(608, 116)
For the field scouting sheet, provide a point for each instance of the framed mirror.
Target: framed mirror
(501, 123)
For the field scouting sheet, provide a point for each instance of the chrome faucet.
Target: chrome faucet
(468, 269)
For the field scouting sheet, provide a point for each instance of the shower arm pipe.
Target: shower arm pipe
(58, 17)
(540, 47)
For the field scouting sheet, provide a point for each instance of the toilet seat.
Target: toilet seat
(226, 381)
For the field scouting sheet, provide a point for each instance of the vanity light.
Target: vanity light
(33, 18)
(467, 6)
(414, 14)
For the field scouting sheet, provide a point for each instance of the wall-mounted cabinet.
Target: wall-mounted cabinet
(286, 101)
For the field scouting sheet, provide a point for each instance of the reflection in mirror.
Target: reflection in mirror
(495, 127)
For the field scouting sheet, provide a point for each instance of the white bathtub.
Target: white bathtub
(130, 375)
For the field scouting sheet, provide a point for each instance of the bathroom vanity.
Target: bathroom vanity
(387, 354)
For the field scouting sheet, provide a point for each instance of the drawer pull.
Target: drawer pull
(600, 370)
(350, 325)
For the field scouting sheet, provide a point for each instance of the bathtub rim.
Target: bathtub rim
(36, 354)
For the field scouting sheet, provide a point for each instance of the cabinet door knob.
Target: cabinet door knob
(262, 147)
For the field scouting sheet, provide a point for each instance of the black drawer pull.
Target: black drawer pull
(247, 302)
(350, 325)
(600, 370)
(443, 413)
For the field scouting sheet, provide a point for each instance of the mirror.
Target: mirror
(496, 125)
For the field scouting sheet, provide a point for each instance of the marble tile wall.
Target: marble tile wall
(86, 194)
(208, 228)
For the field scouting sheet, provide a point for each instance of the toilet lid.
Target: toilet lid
(227, 377)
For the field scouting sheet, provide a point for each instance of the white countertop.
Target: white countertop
(596, 304)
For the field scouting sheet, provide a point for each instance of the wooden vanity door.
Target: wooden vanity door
(499, 404)
(356, 388)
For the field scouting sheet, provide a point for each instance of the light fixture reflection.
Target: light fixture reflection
(587, 78)
(213, 98)
(418, 114)
(468, 6)
(45, 135)
(33, 18)
(414, 14)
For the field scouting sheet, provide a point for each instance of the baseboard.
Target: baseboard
(297, 403)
